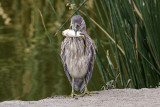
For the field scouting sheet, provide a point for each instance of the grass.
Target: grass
(132, 30)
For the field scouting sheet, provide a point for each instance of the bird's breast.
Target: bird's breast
(77, 58)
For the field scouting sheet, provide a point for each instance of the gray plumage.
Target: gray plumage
(78, 55)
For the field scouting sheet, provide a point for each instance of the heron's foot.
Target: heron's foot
(88, 92)
(73, 94)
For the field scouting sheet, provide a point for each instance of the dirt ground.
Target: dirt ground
(107, 98)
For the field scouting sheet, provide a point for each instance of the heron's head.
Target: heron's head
(78, 24)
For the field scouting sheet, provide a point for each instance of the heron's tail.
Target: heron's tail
(79, 84)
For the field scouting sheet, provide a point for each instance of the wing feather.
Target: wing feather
(63, 57)
(91, 47)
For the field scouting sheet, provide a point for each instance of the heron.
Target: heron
(78, 55)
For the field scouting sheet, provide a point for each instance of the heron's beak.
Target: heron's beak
(76, 29)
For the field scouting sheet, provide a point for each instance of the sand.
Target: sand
(107, 98)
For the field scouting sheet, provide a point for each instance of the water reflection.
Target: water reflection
(30, 69)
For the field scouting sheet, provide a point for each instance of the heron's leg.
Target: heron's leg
(86, 90)
(73, 93)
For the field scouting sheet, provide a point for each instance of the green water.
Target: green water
(30, 68)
